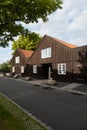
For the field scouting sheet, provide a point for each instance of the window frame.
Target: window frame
(13, 69)
(22, 69)
(34, 69)
(46, 53)
(17, 59)
(61, 69)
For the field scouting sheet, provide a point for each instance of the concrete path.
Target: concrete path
(71, 86)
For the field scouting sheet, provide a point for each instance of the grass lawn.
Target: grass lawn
(14, 118)
(8, 122)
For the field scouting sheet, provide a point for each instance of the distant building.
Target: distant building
(19, 61)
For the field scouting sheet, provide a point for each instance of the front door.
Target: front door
(46, 70)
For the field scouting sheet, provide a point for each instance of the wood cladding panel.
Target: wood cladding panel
(60, 53)
(18, 65)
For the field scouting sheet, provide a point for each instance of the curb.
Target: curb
(53, 87)
(71, 90)
(77, 92)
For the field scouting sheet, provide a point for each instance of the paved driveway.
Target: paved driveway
(59, 109)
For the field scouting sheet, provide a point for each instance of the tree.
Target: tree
(14, 12)
(29, 41)
(5, 67)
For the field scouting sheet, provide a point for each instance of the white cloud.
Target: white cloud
(68, 24)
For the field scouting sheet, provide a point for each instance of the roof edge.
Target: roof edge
(63, 42)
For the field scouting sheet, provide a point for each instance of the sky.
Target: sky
(68, 24)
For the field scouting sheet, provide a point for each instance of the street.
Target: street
(61, 110)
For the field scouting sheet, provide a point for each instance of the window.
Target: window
(34, 69)
(49, 52)
(62, 69)
(17, 59)
(13, 69)
(46, 53)
(22, 69)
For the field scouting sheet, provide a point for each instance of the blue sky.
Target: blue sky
(68, 24)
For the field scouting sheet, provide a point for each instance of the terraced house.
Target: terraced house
(53, 58)
(57, 59)
(19, 61)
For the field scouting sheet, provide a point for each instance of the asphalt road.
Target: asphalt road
(59, 109)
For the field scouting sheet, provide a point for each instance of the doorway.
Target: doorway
(46, 70)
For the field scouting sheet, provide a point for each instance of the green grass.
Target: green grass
(14, 118)
(8, 122)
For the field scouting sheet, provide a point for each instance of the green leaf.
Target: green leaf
(12, 12)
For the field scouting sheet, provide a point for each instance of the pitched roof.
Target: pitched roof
(64, 43)
(26, 53)
(80, 48)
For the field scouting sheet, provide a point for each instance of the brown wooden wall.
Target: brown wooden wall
(60, 54)
(18, 65)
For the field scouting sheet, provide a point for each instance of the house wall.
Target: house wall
(67, 77)
(80, 64)
(18, 65)
(60, 54)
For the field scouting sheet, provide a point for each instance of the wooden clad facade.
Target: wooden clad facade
(19, 61)
(80, 64)
(53, 58)
(61, 53)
